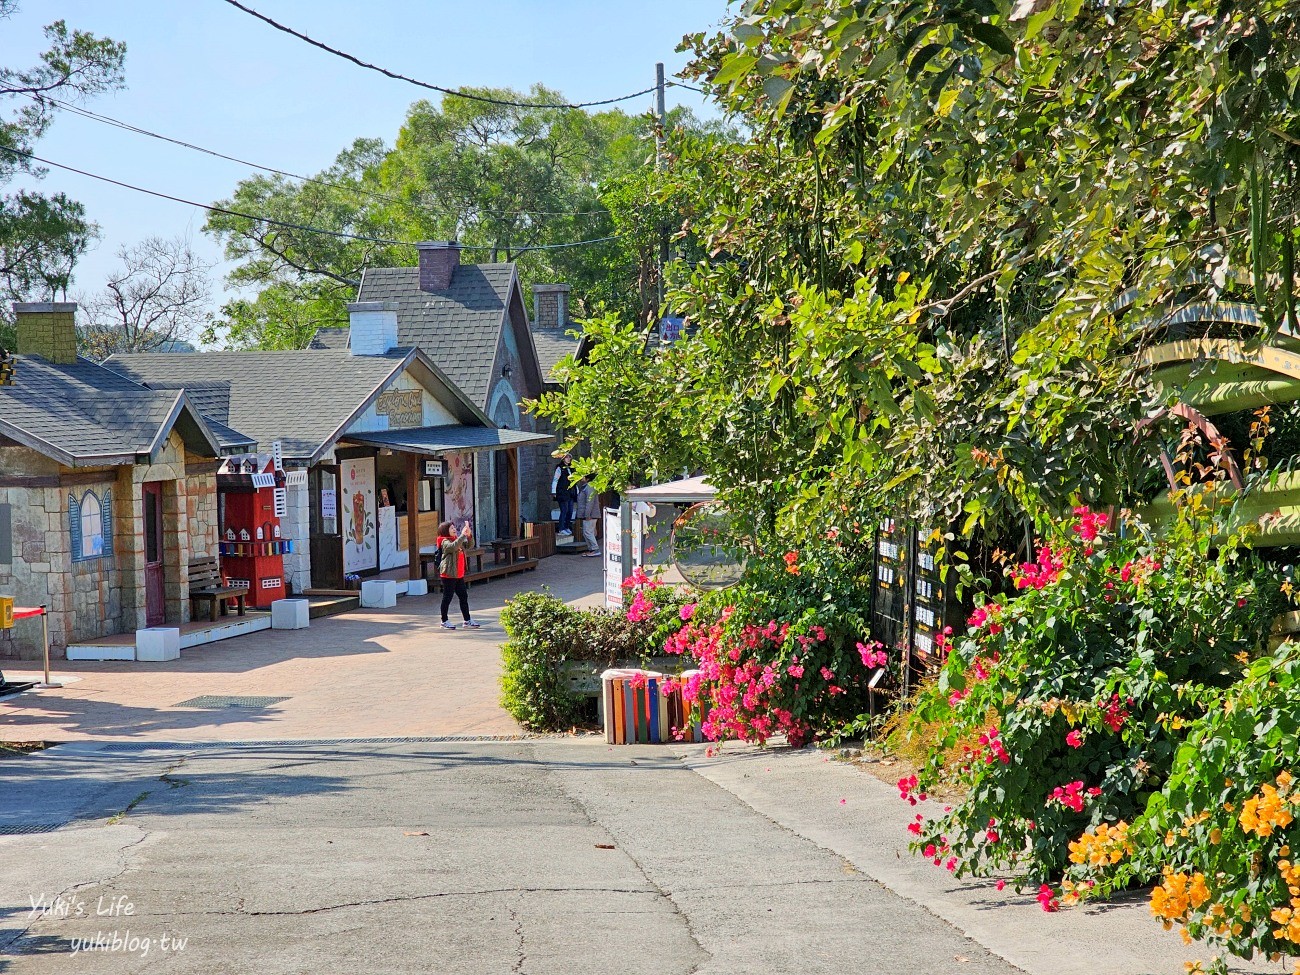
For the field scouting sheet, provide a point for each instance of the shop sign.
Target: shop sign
(434, 468)
(404, 408)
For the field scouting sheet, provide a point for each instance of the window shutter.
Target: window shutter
(106, 520)
(74, 526)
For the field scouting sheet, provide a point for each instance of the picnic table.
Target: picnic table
(506, 551)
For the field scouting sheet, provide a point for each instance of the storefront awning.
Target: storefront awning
(436, 441)
(692, 490)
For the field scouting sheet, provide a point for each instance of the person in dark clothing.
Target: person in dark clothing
(564, 491)
(453, 546)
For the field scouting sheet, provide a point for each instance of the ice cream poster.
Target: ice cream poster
(360, 538)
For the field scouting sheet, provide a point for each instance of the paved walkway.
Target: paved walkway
(549, 856)
(366, 674)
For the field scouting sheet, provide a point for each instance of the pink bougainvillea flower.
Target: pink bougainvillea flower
(827, 673)
(1000, 885)
(1047, 899)
(791, 563)
(687, 611)
(1074, 739)
(832, 534)
(843, 801)
(795, 670)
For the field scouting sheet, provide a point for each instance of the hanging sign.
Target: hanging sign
(434, 468)
(296, 479)
(281, 497)
(263, 480)
(277, 456)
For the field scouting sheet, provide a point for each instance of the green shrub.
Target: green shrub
(545, 633)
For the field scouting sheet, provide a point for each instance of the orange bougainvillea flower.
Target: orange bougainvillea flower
(792, 563)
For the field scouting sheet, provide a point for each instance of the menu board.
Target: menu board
(911, 601)
(889, 598)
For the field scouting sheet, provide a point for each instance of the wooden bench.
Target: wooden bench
(508, 551)
(429, 555)
(206, 584)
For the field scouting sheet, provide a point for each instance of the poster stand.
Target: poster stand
(24, 613)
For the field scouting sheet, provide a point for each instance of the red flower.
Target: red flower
(791, 563)
(1074, 739)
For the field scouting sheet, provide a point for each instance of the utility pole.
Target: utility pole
(660, 151)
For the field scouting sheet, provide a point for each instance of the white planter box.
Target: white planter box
(378, 593)
(290, 614)
(158, 643)
(417, 587)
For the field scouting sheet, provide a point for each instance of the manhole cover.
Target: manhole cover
(20, 829)
(225, 701)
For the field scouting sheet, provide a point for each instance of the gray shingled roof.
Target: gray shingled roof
(84, 414)
(330, 338)
(552, 345)
(439, 440)
(457, 328)
(300, 398)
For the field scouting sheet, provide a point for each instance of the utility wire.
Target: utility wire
(127, 126)
(682, 84)
(271, 221)
(424, 84)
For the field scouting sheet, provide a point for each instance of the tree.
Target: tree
(157, 301)
(510, 183)
(41, 236)
(952, 227)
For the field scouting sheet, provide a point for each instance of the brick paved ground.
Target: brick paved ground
(369, 673)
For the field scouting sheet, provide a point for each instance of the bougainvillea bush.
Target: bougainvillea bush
(1063, 709)
(1222, 838)
(786, 651)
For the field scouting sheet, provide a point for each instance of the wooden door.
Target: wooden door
(155, 588)
(325, 527)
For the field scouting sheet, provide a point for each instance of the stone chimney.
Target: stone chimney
(550, 305)
(372, 327)
(47, 329)
(438, 259)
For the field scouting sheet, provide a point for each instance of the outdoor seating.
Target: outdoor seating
(206, 584)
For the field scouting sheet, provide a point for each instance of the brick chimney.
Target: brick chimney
(47, 329)
(372, 327)
(550, 305)
(438, 259)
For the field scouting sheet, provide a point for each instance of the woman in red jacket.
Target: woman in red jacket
(453, 546)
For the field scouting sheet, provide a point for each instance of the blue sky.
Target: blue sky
(207, 73)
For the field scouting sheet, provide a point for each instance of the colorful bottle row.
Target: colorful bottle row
(637, 711)
(249, 550)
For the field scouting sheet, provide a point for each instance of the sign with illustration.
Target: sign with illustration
(459, 491)
(360, 537)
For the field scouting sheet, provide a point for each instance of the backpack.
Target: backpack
(437, 556)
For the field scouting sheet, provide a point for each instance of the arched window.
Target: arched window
(90, 524)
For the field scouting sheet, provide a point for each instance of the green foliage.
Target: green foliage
(1226, 816)
(545, 633)
(42, 236)
(1061, 709)
(510, 183)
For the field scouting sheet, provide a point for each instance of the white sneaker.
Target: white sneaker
(563, 534)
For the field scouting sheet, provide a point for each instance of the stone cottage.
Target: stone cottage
(471, 320)
(107, 490)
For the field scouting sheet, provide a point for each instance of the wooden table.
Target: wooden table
(506, 551)
(429, 553)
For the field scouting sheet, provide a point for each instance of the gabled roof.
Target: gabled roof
(552, 345)
(84, 415)
(304, 399)
(458, 328)
(331, 338)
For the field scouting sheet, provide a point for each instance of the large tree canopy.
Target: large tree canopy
(510, 183)
(41, 236)
(952, 226)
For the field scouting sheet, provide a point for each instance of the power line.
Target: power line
(682, 84)
(129, 127)
(424, 84)
(272, 221)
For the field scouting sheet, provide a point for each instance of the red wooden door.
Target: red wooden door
(154, 582)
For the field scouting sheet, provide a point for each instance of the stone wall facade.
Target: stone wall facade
(103, 595)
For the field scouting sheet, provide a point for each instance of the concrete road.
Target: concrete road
(538, 856)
